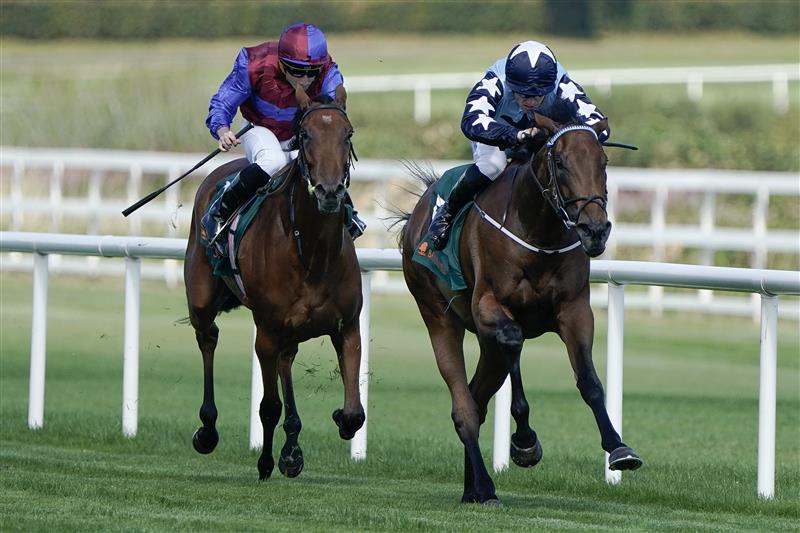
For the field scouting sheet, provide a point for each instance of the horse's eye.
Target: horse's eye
(559, 163)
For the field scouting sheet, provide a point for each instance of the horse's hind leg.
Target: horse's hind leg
(501, 340)
(270, 409)
(205, 439)
(290, 462)
(576, 328)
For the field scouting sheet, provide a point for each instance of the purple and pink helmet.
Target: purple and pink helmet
(303, 45)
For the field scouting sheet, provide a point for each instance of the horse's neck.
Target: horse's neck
(320, 237)
(536, 220)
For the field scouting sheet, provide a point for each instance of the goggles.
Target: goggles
(298, 71)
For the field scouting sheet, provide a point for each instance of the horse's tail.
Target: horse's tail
(424, 177)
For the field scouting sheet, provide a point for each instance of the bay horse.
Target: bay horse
(525, 275)
(300, 277)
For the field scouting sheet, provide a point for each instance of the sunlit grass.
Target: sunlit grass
(691, 411)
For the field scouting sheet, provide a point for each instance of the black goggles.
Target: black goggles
(298, 71)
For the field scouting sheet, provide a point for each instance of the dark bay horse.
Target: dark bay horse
(524, 252)
(301, 280)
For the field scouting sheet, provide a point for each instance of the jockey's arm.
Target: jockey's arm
(574, 98)
(478, 121)
(231, 94)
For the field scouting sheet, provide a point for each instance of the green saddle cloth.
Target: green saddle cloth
(445, 263)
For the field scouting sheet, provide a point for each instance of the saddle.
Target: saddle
(445, 263)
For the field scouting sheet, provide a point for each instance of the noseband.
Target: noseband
(302, 136)
(552, 192)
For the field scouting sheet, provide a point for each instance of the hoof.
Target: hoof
(526, 457)
(290, 463)
(265, 466)
(205, 440)
(348, 425)
(491, 500)
(623, 458)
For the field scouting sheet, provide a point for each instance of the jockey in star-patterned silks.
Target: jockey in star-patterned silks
(499, 115)
(263, 84)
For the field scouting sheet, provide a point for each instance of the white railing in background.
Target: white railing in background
(766, 283)
(95, 208)
(694, 77)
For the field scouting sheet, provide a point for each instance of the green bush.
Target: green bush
(147, 19)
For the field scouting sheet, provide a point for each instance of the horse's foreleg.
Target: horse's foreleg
(205, 439)
(290, 462)
(447, 338)
(347, 344)
(576, 328)
(502, 339)
(270, 409)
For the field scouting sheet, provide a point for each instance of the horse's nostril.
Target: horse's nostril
(340, 189)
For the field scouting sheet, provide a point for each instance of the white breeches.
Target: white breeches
(490, 160)
(262, 147)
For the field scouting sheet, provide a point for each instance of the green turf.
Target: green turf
(691, 409)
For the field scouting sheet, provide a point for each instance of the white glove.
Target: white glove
(526, 135)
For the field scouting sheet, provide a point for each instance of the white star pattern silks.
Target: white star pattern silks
(481, 104)
(483, 120)
(489, 85)
(533, 49)
(586, 110)
(569, 91)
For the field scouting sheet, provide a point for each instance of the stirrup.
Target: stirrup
(213, 227)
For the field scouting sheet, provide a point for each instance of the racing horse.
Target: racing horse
(300, 279)
(524, 252)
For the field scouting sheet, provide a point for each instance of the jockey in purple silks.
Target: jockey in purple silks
(263, 85)
(499, 115)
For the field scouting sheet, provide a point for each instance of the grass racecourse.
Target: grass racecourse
(691, 381)
(690, 410)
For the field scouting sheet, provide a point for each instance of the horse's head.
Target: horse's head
(571, 171)
(324, 141)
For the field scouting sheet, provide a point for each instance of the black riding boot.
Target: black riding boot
(355, 226)
(468, 187)
(238, 191)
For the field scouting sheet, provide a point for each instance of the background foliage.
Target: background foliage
(154, 95)
(150, 19)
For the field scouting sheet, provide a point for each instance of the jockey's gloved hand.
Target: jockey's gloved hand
(526, 135)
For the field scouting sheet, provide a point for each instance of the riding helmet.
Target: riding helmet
(303, 44)
(531, 69)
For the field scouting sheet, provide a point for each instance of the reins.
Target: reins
(552, 195)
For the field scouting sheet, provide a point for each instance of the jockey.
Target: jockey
(263, 85)
(499, 115)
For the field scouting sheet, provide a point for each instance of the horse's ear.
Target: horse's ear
(545, 123)
(341, 97)
(302, 98)
(600, 126)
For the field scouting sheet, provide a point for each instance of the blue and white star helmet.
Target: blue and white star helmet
(531, 69)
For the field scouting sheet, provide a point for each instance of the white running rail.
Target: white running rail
(84, 191)
(766, 283)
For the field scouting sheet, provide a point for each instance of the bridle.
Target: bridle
(552, 192)
(302, 136)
